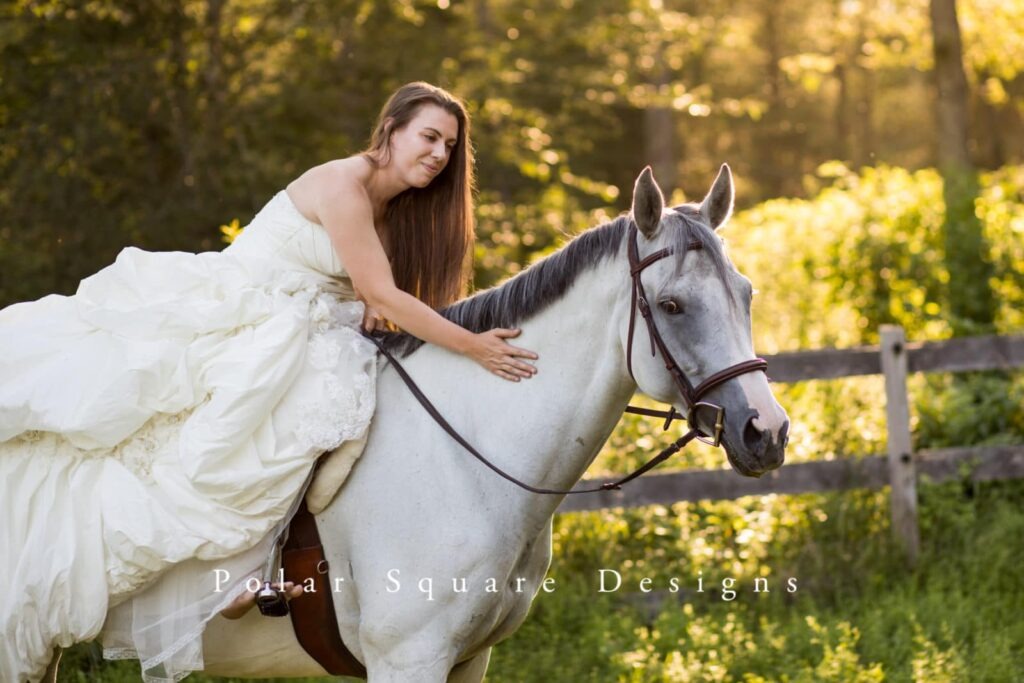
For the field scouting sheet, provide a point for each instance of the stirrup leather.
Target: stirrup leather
(271, 601)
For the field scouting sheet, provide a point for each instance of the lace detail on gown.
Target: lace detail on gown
(344, 411)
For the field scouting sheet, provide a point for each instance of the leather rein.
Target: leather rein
(691, 396)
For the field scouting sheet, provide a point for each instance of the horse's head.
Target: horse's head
(700, 308)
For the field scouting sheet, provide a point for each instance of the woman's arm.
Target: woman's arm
(346, 214)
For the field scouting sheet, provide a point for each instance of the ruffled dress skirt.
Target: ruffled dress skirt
(160, 424)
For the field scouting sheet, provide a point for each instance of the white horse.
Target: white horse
(419, 519)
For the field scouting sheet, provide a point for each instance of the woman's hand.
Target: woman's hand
(498, 356)
(373, 321)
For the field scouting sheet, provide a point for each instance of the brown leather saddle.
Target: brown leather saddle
(312, 613)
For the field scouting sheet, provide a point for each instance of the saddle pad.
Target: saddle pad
(332, 472)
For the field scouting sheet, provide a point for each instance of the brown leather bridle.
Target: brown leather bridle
(691, 396)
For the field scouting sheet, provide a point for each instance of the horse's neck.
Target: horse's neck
(583, 383)
(547, 429)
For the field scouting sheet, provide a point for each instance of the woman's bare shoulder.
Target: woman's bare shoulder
(320, 184)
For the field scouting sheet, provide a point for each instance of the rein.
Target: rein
(691, 396)
(443, 423)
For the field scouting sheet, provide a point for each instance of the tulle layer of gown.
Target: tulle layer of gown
(160, 424)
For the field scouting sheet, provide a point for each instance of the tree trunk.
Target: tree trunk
(213, 121)
(180, 107)
(990, 123)
(971, 302)
(845, 56)
(864, 151)
(659, 133)
(772, 154)
(841, 113)
(951, 106)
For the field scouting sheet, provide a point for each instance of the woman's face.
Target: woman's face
(420, 150)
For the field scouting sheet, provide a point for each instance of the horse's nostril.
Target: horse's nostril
(753, 438)
(784, 434)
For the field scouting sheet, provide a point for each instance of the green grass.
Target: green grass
(859, 614)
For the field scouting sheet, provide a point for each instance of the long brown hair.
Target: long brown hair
(429, 230)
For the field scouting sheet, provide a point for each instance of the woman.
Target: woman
(163, 420)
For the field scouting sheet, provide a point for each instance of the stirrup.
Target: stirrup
(271, 601)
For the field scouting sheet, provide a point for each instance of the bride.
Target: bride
(167, 415)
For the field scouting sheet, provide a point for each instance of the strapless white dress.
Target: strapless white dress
(160, 423)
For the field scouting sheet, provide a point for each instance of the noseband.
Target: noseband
(695, 407)
(691, 396)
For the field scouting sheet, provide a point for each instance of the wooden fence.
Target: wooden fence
(899, 468)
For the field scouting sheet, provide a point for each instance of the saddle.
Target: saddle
(312, 613)
(302, 558)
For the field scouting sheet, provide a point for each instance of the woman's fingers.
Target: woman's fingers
(290, 589)
(506, 375)
(512, 356)
(523, 353)
(511, 349)
(373, 321)
(520, 351)
(518, 368)
(503, 359)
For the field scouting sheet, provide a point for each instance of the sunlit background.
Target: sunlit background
(870, 191)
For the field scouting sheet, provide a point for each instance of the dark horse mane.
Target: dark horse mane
(534, 289)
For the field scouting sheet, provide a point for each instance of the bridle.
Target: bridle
(696, 408)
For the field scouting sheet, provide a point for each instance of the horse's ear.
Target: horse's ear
(648, 203)
(717, 206)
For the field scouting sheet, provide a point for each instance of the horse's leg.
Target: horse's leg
(383, 671)
(51, 671)
(421, 658)
(472, 670)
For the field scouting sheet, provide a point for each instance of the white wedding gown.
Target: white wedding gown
(160, 423)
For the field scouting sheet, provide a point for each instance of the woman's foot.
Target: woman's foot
(247, 600)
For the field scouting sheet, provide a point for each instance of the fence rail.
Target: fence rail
(983, 463)
(900, 468)
(953, 355)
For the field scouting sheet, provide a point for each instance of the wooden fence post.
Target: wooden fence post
(902, 473)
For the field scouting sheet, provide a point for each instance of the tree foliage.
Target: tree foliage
(154, 123)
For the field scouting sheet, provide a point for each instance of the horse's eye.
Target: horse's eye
(670, 306)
